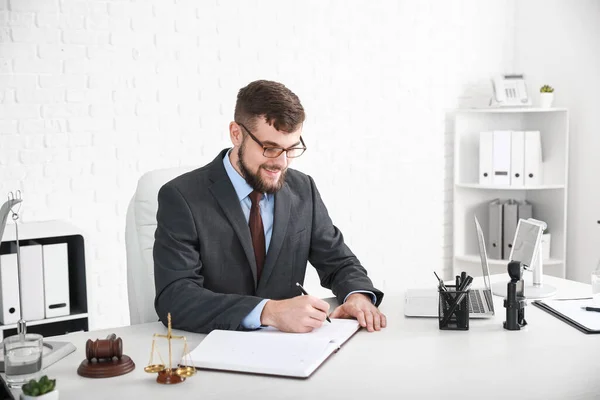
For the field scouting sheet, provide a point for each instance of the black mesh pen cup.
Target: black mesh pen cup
(453, 309)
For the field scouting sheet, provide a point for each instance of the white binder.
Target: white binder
(56, 280)
(486, 153)
(517, 158)
(10, 310)
(533, 158)
(32, 282)
(501, 158)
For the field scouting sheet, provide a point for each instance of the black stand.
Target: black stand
(515, 301)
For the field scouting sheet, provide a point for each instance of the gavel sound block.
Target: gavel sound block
(105, 359)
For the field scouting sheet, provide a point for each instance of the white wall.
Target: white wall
(558, 43)
(94, 93)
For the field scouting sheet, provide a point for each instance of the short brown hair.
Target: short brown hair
(272, 100)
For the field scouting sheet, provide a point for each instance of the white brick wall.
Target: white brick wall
(95, 93)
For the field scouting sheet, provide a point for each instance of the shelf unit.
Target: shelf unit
(471, 199)
(53, 232)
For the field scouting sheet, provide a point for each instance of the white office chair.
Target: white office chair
(139, 240)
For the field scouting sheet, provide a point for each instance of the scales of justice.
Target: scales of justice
(169, 375)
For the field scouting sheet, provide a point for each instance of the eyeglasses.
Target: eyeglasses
(274, 152)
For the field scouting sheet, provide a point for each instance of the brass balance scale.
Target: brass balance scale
(170, 375)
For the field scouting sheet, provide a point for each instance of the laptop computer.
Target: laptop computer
(424, 302)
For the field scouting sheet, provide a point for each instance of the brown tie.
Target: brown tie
(257, 232)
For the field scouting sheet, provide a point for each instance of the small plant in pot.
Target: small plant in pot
(546, 96)
(44, 389)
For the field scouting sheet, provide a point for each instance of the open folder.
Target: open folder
(269, 351)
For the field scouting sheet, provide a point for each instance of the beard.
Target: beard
(255, 180)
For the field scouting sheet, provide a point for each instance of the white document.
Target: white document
(32, 284)
(572, 309)
(486, 154)
(56, 280)
(10, 310)
(533, 158)
(501, 158)
(269, 351)
(517, 158)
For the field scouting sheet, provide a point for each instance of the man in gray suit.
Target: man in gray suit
(234, 237)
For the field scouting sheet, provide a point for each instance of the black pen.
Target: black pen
(591, 309)
(467, 282)
(441, 282)
(305, 293)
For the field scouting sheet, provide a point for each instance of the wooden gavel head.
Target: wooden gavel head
(104, 348)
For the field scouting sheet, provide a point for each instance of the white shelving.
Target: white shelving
(479, 186)
(53, 232)
(70, 317)
(471, 198)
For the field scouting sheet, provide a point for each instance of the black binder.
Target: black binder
(564, 318)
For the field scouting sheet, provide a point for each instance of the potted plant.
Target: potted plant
(44, 389)
(546, 96)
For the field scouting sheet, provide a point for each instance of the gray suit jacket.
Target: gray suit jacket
(204, 267)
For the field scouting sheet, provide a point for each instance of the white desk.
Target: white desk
(410, 359)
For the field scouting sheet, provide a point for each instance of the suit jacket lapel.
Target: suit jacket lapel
(225, 195)
(283, 201)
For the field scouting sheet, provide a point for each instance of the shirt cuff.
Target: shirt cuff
(373, 297)
(252, 320)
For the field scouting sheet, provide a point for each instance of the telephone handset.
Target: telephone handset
(510, 90)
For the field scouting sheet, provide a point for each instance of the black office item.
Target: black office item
(596, 309)
(5, 393)
(515, 301)
(453, 308)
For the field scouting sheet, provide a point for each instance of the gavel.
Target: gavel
(109, 348)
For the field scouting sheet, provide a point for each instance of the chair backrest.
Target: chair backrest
(139, 241)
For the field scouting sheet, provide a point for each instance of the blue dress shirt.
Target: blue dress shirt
(267, 206)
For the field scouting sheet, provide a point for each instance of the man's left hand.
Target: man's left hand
(361, 307)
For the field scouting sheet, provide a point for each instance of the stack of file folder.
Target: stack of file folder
(510, 158)
(44, 283)
(504, 216)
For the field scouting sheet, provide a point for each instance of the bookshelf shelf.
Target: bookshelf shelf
(55, 232)
(470, 198)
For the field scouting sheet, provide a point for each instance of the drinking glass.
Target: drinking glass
(596, 287)
(22, 358)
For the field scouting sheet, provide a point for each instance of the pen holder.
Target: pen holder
(453, 315)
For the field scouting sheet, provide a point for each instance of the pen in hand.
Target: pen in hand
(597, 309)
(306, 294)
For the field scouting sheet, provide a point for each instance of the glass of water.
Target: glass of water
(22, 358)
(596, 285)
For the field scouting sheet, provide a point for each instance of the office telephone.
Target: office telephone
(510, 91)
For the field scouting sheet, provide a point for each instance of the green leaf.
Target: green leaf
(26, 389)
(35, 392)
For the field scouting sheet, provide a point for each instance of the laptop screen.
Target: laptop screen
(483, 256)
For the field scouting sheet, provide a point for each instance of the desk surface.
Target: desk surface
(409, 359)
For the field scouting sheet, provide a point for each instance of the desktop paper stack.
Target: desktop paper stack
(503, 219)
(269, 351)
(510, 158)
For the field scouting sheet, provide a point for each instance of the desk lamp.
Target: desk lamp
(527, 249)
(13, 206)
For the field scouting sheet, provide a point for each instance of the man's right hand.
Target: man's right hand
(300, 314)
